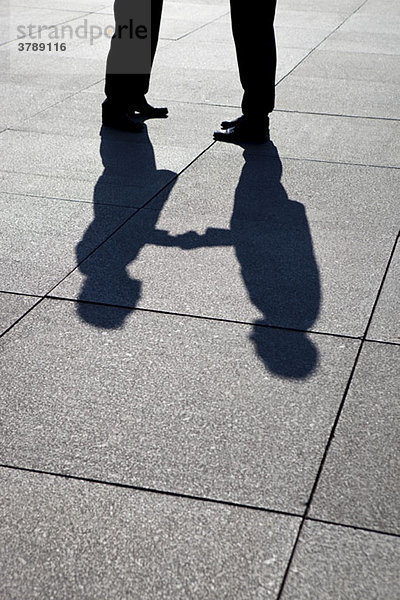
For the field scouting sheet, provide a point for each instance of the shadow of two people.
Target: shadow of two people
(269, 233)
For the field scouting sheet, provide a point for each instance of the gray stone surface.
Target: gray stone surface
(206, 408)
(385, 325)
(344, 83)
(13, 307)
(213, 402)
(127, 161)
(367, 20)
(53, 187)
(207, 77)
(50, 70)
(337, 139)
(15, 14)
(336, 563)
(298, 16)
(29, 103)
(181, 19)
(289, 33)
(39, 238)
(369, 42)
(137, 166)
(260, 249)
(374, 7)
(340, 97)
(74, 5)
(346, 7)
(360, 481)
(300, 135)
(350, 66)
(73, 539)
(80, 115)
(199, 86)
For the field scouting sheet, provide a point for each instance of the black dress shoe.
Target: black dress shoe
(243, 133)
(145, 110)
(120, 118)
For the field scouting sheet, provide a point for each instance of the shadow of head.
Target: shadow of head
(288, 354)
(109, 317)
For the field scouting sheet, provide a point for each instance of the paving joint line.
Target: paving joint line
(131, 216)
(311, 51)
(387, 342)
(201, 317)
(40, 300)
(68, 97)
(326, 114)
(76, 200)
(81, 16)
(27, 294)
(339, 162)
(381, 285)
(185, 35)
(354, 527)
(312, 160)
(138, 488)
(47, 294)
(184, 496)
(276, 110)
(335, 424)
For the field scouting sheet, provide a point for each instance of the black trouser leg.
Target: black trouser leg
(253, 32)
(124, 85)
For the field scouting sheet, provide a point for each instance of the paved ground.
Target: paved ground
(200, 375)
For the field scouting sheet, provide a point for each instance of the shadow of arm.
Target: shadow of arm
(190, 240)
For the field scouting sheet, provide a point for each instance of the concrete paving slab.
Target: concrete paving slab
(172, 403)
(113, 159)
(80, 115)
(82, 540)
(338, 139)
(344, 6)
(308, 136)
(360, 480)
(13, 307)
(298, 37)
(200, 12)
(304, 18)
(343, 563)
(287, 36)
(385, 324)
(39, 237)
(363, 41)
(27, 102)
(26, 184)
(202, 406)
(181, 19)
(69, 72)
(257, 247)
(211, 2)
(18, 16)
(350, 66)
(379, 7)
(357, 194)
(87, 5)
(343, 83)
(385, 21)
(339, 96)
(199, 57)
(211, 86)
